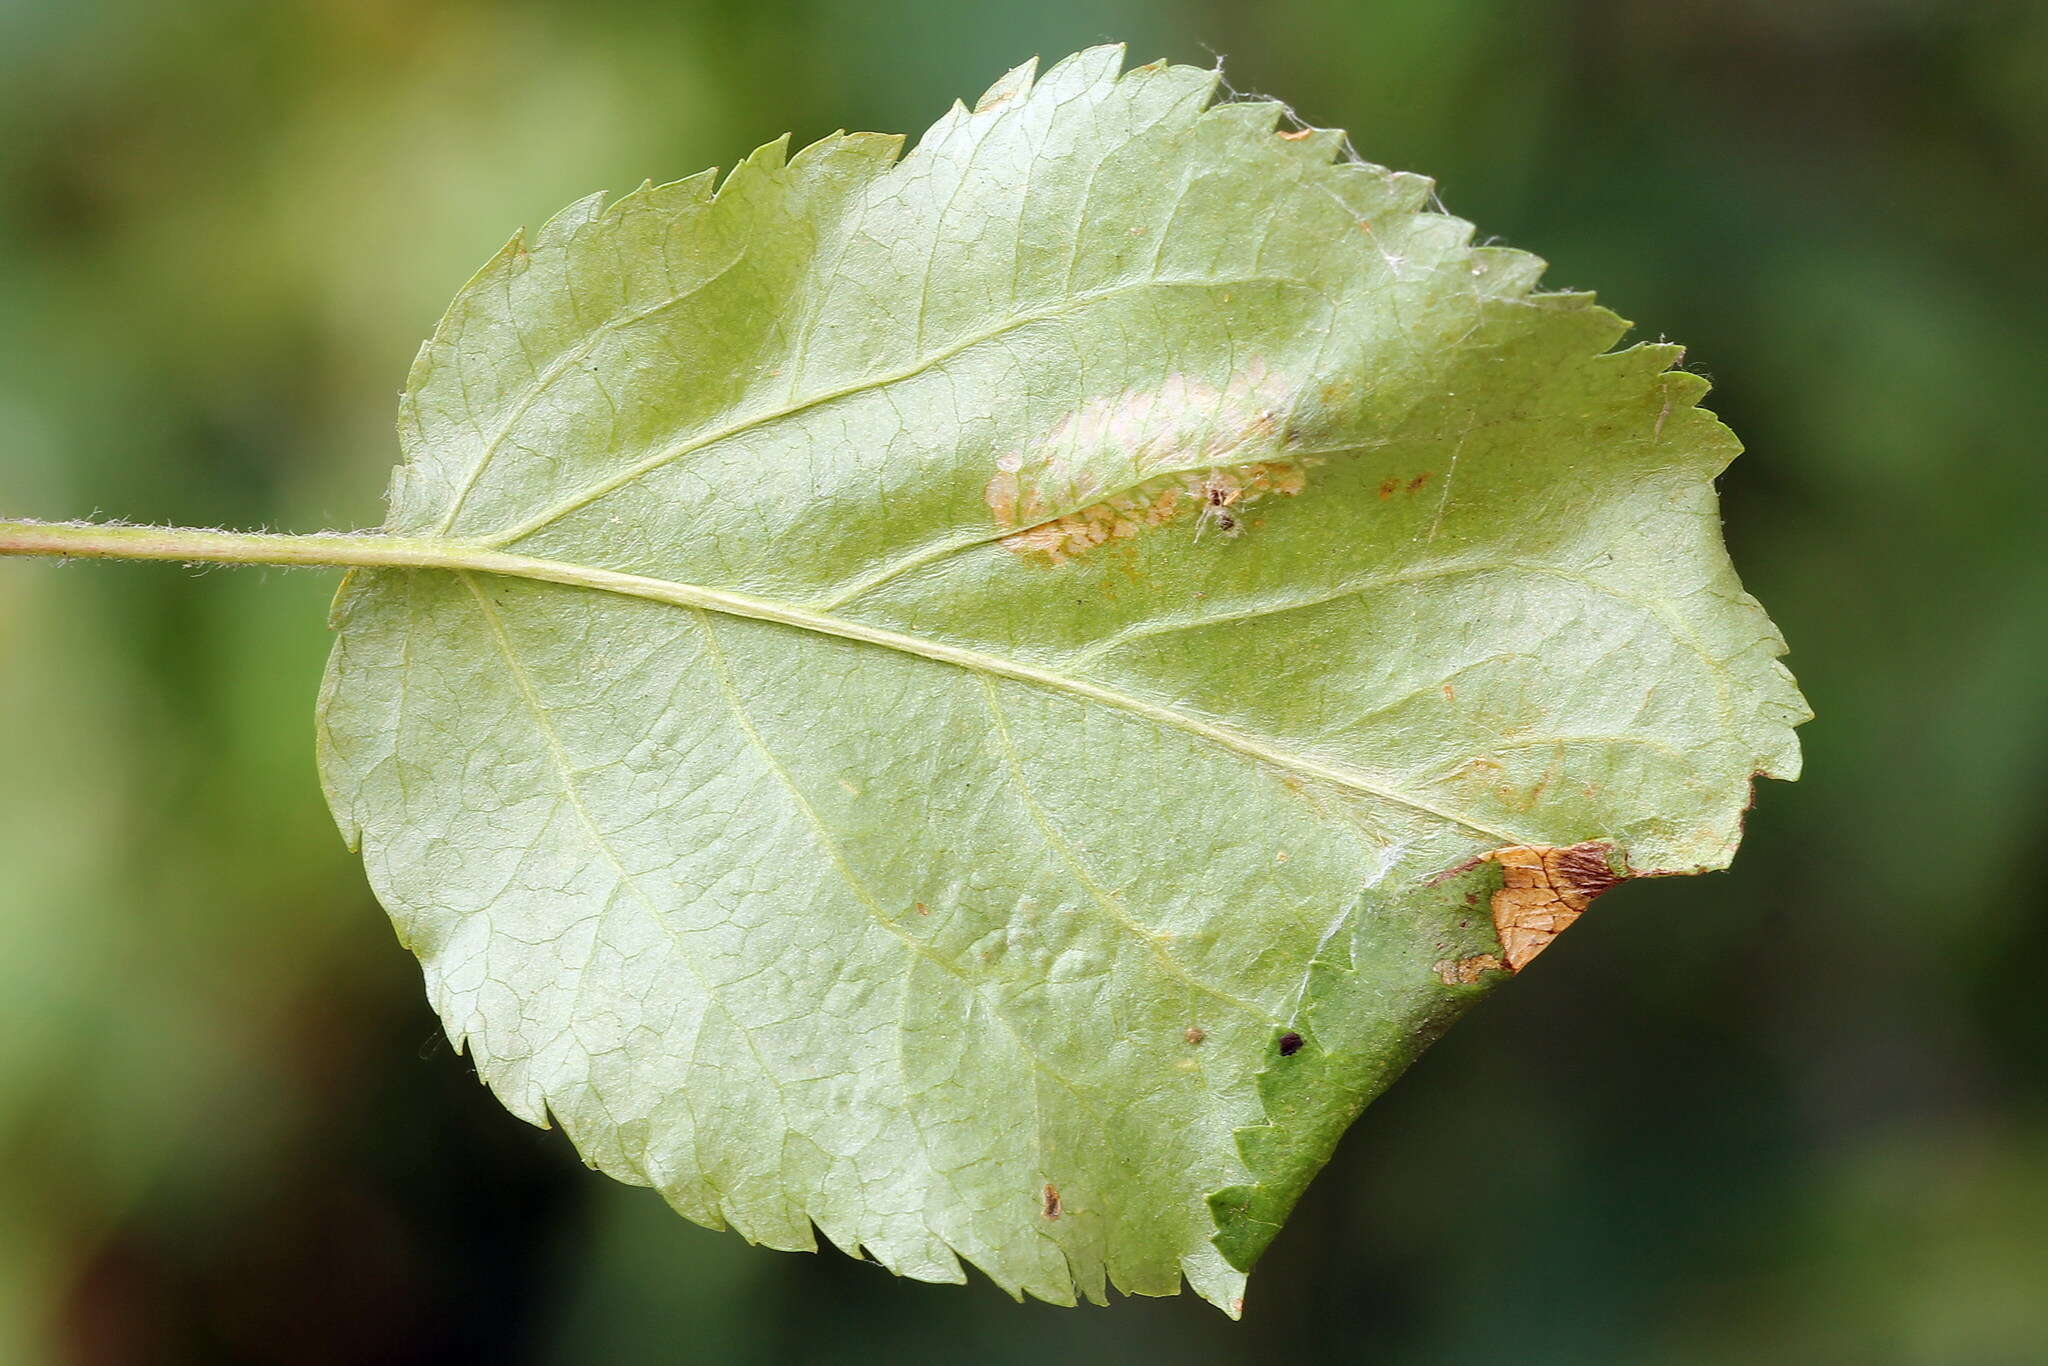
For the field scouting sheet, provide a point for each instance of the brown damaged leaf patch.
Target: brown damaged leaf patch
(1544, 889)
(1463, 972)
(1126, 443)
(1216, 493)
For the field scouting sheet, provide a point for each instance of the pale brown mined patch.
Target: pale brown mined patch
(1122, 443)
(1463, 972)
(1052, 1201)
(1216, 493)
(1544, 889)
(1195, 1034)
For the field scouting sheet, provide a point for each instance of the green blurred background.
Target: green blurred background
(1794, 1113)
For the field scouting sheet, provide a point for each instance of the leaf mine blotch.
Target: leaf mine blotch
(1122, 465)
(1544, 890)
(1463, 972)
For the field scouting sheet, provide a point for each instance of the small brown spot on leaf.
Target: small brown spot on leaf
(1388, 487)
(1290, 1044)
(1052, 1201)
(1463, 972)
(1450, 693)
(1195, 1034)
(1544, 889)
(1418, 481)
(922, 909)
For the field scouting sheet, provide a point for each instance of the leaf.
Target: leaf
(1005, 668)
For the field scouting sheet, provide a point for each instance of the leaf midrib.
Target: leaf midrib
(414, 554)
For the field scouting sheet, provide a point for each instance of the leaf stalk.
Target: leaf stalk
(195, 545)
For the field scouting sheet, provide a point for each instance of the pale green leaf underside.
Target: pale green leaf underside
(995, 869)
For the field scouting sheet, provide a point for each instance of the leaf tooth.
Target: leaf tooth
(941, 132)
(1013, 86)
(1194, 84)
(510, 1079)
(699, 187)
(679, 1191)
(416, 377)
(1442, 233)
(1215, 1280)
(510, 256)
(557, 231)
(1315, 144)
(631, 201)
(764, 163)
(1507, 272)
(1087, 68)
(672, 200)
(1088, 1276)
(880, 149)
(1408, 192)
(1245, 118)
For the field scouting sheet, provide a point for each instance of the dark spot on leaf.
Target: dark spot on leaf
(1418, 481)
(1290, 1044)
(1052, 1201)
